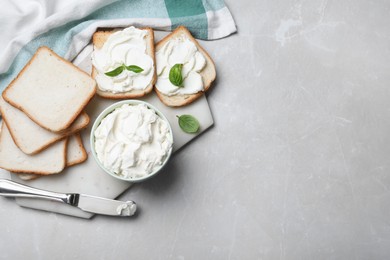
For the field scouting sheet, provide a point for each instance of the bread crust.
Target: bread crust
(183, 100)
(20, 107)
(82, 149)
(98, 40)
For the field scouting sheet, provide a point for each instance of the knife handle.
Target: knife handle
(13, 189)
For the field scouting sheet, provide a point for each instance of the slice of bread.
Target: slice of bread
(98, 40)
(29, 136)
(50, 90)
(75, 154)
(50, 161)
(208, 73)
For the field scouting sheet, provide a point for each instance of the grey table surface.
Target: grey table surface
(295, 167)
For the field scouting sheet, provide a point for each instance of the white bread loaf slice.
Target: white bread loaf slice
(29, 136)
(50, 161)
(75, 154)
(208, 73)
(98, 40)
(50, 90)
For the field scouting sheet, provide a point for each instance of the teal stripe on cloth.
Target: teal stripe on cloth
(191, 14)
(179, 8)
(131, 9)
(213, 5)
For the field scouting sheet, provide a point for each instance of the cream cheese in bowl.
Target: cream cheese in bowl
(131, 140)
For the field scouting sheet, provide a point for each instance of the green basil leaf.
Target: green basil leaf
(115, 72)
(120, 69)
(175, 76)
(188, 124)
(134, 68)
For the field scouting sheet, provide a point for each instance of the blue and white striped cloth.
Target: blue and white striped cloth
(67, 26)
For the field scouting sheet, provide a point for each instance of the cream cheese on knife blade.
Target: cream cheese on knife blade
(126, 47)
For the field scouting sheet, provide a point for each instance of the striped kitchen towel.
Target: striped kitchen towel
(67, 26)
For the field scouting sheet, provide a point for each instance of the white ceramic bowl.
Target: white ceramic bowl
(107, 111)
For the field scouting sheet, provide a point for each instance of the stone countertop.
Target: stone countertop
(295, 167)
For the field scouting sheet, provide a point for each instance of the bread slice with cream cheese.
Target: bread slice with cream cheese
(50, 90)
(208, 73)
(99, 38)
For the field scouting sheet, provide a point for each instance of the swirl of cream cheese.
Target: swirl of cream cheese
(127, 47)
(180, 50)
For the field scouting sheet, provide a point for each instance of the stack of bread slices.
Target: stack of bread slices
(43, 114)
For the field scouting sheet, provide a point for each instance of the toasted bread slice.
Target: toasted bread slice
(50, 161)
(50, 90)
(208, 73)
(98, 40)
(75, 154)
(29, 136)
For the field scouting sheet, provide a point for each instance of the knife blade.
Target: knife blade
(92, 204)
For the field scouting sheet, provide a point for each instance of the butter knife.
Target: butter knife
(84, 202)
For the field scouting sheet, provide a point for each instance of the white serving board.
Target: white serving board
(87, 177)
